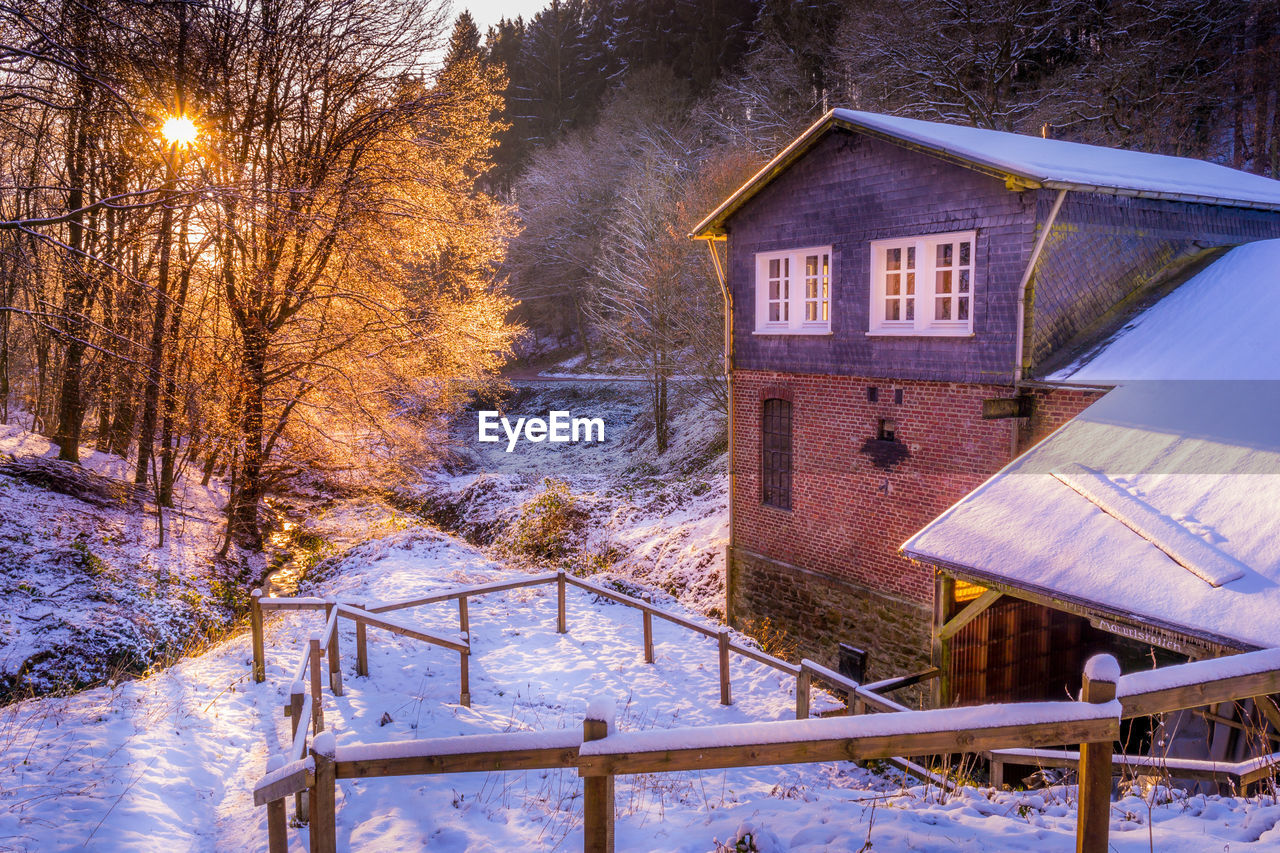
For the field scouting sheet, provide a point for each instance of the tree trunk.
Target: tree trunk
(151, 392)
(243, 518)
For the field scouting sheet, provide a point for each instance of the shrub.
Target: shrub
(547, 523)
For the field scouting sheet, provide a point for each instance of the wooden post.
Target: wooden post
(648, 631)
(362, 645)
(726, 697)
(804, 679)
(324, 829)
(1094, 816)
(277, 820)
(997, 773)
(335, 659)
(464, 619)
(259, 645)
(317, 716)
(464, 697)
(597, 797)
(295, 717)
(944, 599)
(561, 628)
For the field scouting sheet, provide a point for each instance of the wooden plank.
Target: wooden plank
(305, 718)
(466, 591)
(765, 658)
(597, 798)
(971, 611)
(277, 827)
(1209, 692)
(464, 677)
(1093, 818)
(944, 598)
(362, 648)
(802, 694)
(561, 625)
(1183, 768)
(299, 780)
(387, 624)
(259, 644)
(464, 620)
(335, 656)
(647, 619)
(317, 715)
(726, 692)
(888, 685)
(291, 603)
(324, 815)
(467, 762)
(851, 749)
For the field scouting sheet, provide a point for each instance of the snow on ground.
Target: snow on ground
(658, 520)
(84, 592)
(168, 762)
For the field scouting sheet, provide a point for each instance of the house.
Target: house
(902, 293)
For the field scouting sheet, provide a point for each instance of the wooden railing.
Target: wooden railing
(1178, 688)
(1006, 733)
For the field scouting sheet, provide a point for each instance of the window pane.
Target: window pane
(891, 309)
(774, 290)
(786, 311)
(962, 309)
(944, 281)
(811, 265)
(773, 313)
(786, 266)
(893, 259)
(911, 283)
(964, 254)
(892, 284)
(942, 309)
(944, 254)
(911, 257)
(776, 462)
(964, 281)
(774, 267)
(911, 309)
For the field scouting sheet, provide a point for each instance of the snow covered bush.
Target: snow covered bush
(547, 524)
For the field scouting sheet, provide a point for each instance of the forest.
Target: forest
(280, 241)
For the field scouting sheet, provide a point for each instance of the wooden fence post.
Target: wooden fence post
(277, 820)
(648, 631)
(324, 829)
(561, 628)
(726, 696)
(1094, 816)
(259, 645)
(362, 645)
(597, 792)
(295, 715)
(996, 774)
(803, 680)
(335, 658)
(464, 619)
(317, 715)
(464, 697)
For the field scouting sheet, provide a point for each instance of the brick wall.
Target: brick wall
(827, 570)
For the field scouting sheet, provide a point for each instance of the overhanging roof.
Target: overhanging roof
(1024, 162)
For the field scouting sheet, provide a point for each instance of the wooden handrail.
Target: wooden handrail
(294, 778)
(396, 627)
(534, 750)
(851, 738)
(1190, 768)
(465, 592)
(1199, 683)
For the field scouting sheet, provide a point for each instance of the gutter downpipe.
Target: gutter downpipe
(728, 383)
(1022, 307)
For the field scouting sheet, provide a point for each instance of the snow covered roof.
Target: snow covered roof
(1220, 324)
(1157, 505)
(1030, 161)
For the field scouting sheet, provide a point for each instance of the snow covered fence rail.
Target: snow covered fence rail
(1252, 675)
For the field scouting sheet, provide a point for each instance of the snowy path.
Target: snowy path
(167, 763)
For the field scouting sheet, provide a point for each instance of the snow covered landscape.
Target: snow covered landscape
(170, 760)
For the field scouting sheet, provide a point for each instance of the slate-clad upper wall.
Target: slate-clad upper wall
(1103, 249)
(851, 189)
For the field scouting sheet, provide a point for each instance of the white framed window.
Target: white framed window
(793, 292)
(923, 285)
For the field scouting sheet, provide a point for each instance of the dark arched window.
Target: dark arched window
(775, 443)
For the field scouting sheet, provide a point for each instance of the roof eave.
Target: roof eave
(1041, 595)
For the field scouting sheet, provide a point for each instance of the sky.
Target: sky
(488, 12)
